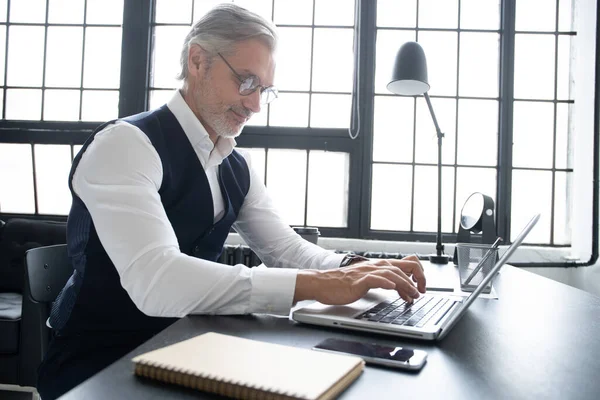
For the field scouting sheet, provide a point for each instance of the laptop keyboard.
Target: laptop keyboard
(423, 310)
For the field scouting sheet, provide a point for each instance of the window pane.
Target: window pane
(286, 182)
(76, 149)
(25, 55)
(393, 129)
(65, 11)
(28, 11)
(201, 7)
(390, 204)
(562, 207)
(259, 118)
(104, 12)
(477, 132)
(334, 12)
(396, 13)
(61, 105)
(531, 194)
(477, 14)
(441, 50)
(533, 125)
(2, 52)
(564, 140)
(102, 68)
(426, 201)
(330, 110)
(99, 106)
(426, 146)
(159, 97)
(564, 83)
(173, 12)
(479, 61)
(565, 15)
(328, 179)
(535, 15)
(168, 42)
(258, 161)
(333, 60)
(52, 166)
(24, 104)
(290, 109)
(438, 13)
(16, 187)
(63, 56)
(293, 59)
(3, 8)
(388, 44)
(300, 14)
(471, 180)
(263, 8)
(534, 67)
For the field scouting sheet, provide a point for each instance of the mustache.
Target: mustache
(243, 111)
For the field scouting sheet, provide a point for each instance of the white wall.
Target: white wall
(586, 278)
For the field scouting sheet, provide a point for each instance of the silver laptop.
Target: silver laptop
(430, 317)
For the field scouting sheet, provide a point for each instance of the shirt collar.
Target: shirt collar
(197, 134)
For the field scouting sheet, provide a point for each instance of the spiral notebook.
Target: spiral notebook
(249, 369)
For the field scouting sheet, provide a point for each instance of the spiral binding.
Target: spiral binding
(206, 383)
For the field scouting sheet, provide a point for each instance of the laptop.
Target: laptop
(430, 317)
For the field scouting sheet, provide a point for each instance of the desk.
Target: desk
(539, 340)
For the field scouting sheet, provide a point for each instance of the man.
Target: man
(154, 198)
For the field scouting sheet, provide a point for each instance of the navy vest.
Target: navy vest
(93, 298)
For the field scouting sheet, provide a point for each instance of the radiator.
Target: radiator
(242, 254)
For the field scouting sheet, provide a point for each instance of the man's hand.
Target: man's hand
(348, 284)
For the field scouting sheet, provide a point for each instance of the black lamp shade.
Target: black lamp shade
(409, 76)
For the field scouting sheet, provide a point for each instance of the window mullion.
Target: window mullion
(361, 176)
(505, 129)
(135, 56)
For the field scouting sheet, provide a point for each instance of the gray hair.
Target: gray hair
(222, 28)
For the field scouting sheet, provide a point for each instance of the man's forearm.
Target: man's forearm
(306, 282)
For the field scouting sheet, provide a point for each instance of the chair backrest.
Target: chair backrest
(48, 269)
(18, 236)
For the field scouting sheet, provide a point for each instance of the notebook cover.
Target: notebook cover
(244, 368)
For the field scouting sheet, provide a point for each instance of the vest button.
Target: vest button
(196, 249)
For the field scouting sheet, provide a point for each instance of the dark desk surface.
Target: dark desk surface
(539, 340)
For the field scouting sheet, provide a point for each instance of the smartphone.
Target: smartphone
(378, 354)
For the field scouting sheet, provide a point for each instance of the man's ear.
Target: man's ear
(196, 59)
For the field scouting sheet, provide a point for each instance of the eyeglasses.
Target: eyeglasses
(251, 83)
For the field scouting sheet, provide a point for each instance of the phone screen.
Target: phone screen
(370, 350)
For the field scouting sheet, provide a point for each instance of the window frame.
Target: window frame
(136, 55)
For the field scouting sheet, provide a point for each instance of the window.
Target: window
(314, 77)
(510, 85)
(60, 60)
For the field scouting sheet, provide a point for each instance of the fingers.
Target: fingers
(412, 266)
(386, 280)
(400, 282)
(405, 288)
(375, 281)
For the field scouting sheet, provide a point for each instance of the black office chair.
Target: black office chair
(47, 269)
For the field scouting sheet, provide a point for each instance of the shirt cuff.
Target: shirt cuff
(332, 261)
(272, 290)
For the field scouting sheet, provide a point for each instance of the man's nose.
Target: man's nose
(252, 101)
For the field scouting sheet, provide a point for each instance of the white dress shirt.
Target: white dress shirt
(118, 179)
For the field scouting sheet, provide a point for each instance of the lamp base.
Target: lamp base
(439, 258)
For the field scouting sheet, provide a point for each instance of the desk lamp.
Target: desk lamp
(409, 78)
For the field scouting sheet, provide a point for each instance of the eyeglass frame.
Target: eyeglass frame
(262, 88)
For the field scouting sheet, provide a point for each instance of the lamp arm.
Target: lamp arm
(437, 127)
(441, 258)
